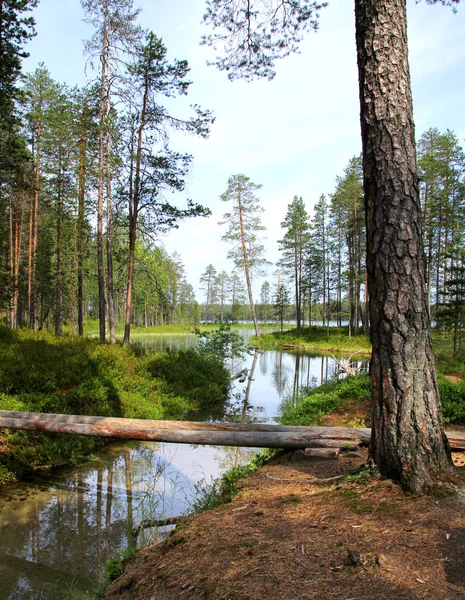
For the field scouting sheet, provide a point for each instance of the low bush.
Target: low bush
(201, 378)
(223, 490)
(453, 400)
(42, 373)
(315, 404)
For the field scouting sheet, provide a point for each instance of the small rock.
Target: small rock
(259, 513)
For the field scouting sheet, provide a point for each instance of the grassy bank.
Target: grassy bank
(331, 397)
(42, 373)
(91, 327)
(342, 397)
(316, 339)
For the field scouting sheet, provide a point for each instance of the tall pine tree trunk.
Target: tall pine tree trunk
(135, 172)
(110, 277)
(408, 441)
(130, 283)
(297, 291)
(80, 227)
(59, 255)
(33, 236)
(15, 239)
(247, 268)
(104, 83)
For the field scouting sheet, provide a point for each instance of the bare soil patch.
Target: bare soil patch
(289, 535)
(454, 377)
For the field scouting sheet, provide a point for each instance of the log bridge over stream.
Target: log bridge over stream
(253, 435)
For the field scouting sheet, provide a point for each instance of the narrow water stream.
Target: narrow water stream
(56, 532)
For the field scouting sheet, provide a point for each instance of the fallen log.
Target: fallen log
(251, 439)
(330, 453)
(347, 434)
(456, 440)
(255, 435)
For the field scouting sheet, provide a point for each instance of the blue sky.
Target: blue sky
(295, 134)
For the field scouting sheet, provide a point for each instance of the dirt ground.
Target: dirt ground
(289, 535)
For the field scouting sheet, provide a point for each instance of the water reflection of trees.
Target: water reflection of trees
(295, 372)
(228, 457)
(69, 526)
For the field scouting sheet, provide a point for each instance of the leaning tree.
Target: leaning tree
(408, 440)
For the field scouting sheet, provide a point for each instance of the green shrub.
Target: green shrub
(358, 387)
(223, 490)
(201, 378)
(453, 400)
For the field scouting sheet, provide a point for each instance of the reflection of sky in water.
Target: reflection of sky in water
(66, 525)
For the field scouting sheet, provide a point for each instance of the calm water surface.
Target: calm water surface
(56, 532)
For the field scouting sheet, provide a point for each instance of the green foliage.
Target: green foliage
(244, 224)
(255, 35)
(43, 373)
(114, 568)
(222, 344)
(315, 404)
(295, 240)
(453, 400)
(201, 378)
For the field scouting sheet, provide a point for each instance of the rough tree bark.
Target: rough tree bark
(408, 440)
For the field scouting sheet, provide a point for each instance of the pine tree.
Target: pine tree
(222, 284)
(151, 168)
(244, 224)
(237, 295)
(281, 303)
(208, 285)
(40, 94)
(321, 255)
(15, 30)
(441, 163)
(293, 246)
(348, 229)
(116, 34)
(265, 299)
(451, 313)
